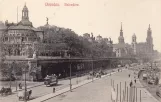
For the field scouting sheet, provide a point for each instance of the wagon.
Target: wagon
(6, 91)
(21, 95)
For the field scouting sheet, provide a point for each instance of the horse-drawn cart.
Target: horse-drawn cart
(21, 95)
(5, 91)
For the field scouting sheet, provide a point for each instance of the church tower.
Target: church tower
(25, 17)
(25, 13)
(134, 43)
(121, 38)
(149, 40)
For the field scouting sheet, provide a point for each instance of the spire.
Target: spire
(121, 26)
(121, 38)
(121, 31)
(149, 27)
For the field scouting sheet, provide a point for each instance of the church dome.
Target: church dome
(25, 23)
(121, 37)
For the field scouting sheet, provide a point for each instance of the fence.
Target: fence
(125, 93)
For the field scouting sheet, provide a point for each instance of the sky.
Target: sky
(102, 17)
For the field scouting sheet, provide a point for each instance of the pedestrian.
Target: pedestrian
(129, 75)
(20, 86)
(135, 80)
(131, 83)
(54, 90)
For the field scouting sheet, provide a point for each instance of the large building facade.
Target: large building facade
(143, 49)
(19, 39)
(135, 49)
(122, 49)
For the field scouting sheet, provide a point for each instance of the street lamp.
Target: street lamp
(92, 68)
(11, 69)
(25, 84)
(70, 73)
(13, 65)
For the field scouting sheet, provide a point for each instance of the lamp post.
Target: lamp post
(70, 73)
(11, 69)
(13, 65)
(10, 75)
(92, 69)
(25, 85)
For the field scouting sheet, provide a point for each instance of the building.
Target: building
(19, 38)
(143, 49)
(121, 49)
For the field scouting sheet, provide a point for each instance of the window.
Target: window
(6, 38)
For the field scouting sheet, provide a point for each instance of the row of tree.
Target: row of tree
(62, 39)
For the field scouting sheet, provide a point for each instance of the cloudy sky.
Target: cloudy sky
(102, 17)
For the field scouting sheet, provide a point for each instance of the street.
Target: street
(97, 91)
(43, 90)
(100, 90)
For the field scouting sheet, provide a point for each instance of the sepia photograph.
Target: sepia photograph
(80, 50)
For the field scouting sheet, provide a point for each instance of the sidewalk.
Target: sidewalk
(145, 95)
(29, 85)
(64, 90)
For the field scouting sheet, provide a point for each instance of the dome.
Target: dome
(121, 37)
(25, 23)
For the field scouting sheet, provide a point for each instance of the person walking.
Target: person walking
(53, 89)
(135, 81)
(20, 86)
(131, 83)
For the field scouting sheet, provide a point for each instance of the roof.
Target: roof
(21, 27)
(119, 46)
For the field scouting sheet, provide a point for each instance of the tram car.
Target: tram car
(51, 80)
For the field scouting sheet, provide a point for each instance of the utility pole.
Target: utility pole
(92, 69)
(25, 86)
(70, 73)
(10, 75)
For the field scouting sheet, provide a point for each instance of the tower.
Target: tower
(121, 38)
(149, 40)
(25, 13)
(134, 43)
(25, 17)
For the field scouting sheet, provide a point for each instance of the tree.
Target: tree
(62, 39)
(3, 65)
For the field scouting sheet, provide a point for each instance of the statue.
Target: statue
(47, 19)
(34, 55)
